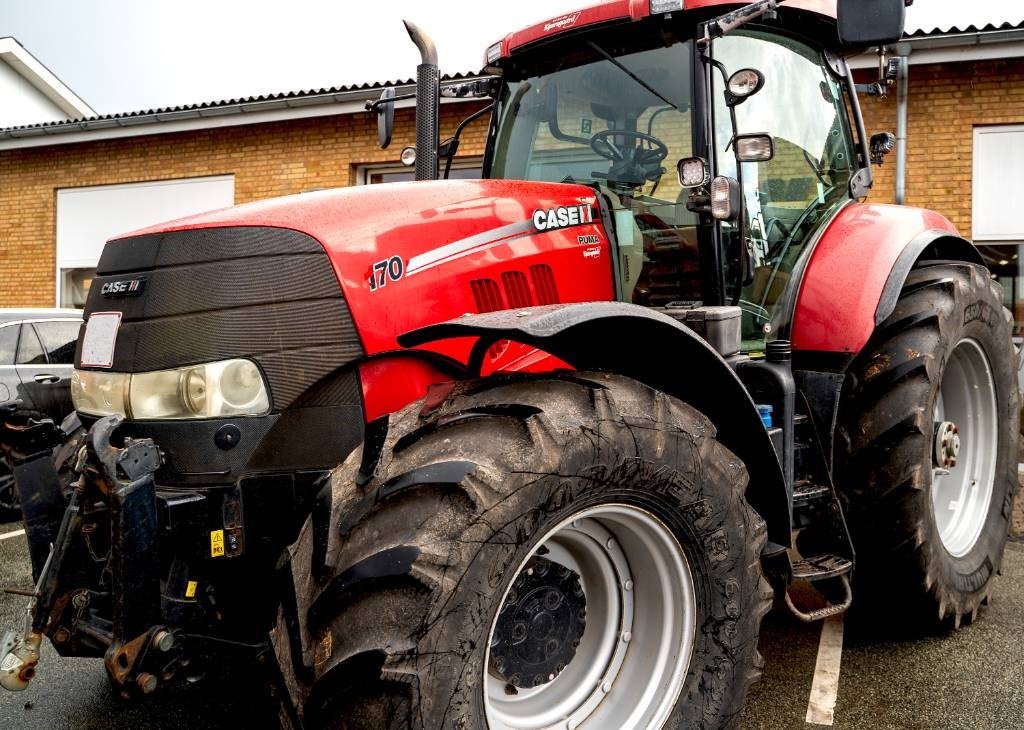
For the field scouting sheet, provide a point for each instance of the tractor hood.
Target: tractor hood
(410, 254)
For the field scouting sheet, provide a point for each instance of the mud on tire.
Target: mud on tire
(884, 453)
(392, 587)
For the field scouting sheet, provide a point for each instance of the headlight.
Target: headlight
(100, 394)
(211, 390)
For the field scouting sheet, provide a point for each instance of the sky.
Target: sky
(129, 55)
(125, 55)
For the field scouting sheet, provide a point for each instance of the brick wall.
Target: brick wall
(946, 102)
(267, 160)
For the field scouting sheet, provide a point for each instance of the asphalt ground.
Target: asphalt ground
(970, 679)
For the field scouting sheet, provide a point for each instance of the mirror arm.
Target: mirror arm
(372, 106)
(725, 24)
(449, 148)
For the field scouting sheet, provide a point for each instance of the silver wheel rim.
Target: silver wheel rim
(961, 495)
(641, 621)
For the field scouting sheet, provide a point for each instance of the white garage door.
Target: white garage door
(88, 217)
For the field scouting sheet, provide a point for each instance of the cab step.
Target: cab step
(806, 492)
(822, 568)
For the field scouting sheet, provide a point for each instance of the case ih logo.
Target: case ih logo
(124, 288)
(548, 220)
(566, 21)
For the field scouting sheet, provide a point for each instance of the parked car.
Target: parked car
(37, 353)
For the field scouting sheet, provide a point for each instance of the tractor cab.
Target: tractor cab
(719, 161)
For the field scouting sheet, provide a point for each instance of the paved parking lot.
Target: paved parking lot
(972, 679)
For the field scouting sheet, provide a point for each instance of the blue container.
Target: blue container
(765, 411)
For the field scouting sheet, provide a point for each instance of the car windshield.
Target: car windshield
(617, 119)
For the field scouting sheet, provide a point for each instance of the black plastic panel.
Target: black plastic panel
(269, 294)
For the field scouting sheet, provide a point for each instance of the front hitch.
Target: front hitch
(120, 482)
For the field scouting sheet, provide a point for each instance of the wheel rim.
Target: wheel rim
(641, 618)
(962, 493)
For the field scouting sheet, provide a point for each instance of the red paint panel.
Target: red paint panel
(614, 10)
(391, 383)
(835, 310)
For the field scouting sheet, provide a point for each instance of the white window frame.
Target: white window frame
(978, 227)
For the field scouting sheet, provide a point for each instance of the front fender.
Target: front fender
(656, 350)
(858, 268)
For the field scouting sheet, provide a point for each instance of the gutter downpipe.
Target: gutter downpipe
(902, 82)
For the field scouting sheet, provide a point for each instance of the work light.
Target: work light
(693, 172)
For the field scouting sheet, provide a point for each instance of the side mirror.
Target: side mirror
(882, 144)
(385, 117)
(866, 23)
(754, 147)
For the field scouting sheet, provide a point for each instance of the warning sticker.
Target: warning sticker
(217, 543)
(190, 589)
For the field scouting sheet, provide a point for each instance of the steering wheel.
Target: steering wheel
(651, 150)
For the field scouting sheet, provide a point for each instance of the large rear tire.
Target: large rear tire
(935, 391)
(574, 549)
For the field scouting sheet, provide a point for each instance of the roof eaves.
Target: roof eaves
(259, 103)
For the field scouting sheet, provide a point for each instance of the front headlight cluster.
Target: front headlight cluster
(211, 390)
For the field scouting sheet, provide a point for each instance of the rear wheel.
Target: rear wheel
(573, 551)
(929, 464)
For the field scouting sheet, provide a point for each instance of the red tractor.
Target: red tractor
(534, 451)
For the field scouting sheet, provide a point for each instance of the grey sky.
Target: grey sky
(123, 55)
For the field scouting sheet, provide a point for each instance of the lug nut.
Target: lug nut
(146, 683)
(163, 641)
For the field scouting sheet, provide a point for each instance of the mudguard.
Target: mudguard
(858, 268)
(654, 349)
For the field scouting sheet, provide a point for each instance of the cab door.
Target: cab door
(46, 353)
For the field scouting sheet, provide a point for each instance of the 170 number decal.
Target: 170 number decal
(391, 269)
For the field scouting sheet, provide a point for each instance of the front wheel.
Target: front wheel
(555, 551)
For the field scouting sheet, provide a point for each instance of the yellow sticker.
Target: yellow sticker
(216, 543)
(190, 589)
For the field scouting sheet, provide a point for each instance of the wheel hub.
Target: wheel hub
(947, 444)
(539, 626)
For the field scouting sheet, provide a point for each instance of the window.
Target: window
(997, 226)
(462, 169)
(615, 116)
(59, 340)
(789, 196)
(75, 285)
(30, 352)
(8, 343)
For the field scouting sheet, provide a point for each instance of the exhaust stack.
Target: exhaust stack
(428, 110)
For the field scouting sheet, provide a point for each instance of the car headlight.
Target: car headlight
(210, 390)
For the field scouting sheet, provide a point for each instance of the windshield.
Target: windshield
(619, 120)
(786, 198)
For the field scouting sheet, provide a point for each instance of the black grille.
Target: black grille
(217, 293)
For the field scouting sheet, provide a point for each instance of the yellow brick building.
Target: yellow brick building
(55, 179)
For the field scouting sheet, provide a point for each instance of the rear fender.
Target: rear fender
(859, 266)
(656, 350)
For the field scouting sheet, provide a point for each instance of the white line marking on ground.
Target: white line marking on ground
(825, 687)
(11, 534)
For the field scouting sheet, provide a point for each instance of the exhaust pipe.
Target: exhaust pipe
(428, 109)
